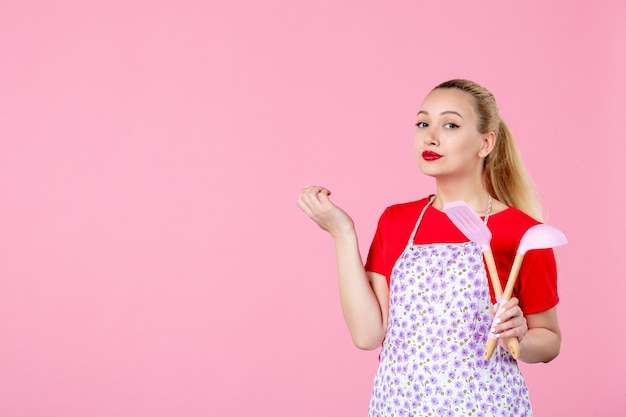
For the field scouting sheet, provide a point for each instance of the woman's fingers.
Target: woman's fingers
(311, 193)
(509, 321)
(314, 201)
(309, 199)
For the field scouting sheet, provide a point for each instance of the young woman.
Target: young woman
(424, 293)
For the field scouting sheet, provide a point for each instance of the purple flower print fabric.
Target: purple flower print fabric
(432, 361)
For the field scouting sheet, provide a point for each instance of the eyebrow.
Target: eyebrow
(442, 113)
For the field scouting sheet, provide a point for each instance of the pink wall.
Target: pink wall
(152, 259)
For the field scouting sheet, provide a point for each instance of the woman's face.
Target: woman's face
(447, 141)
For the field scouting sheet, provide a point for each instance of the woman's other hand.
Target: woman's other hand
(314, 201)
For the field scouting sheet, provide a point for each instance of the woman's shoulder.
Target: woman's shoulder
(409, 207)
(511, 222)
(513, 215)
(403, 212)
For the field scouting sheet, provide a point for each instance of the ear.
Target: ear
(488, 142)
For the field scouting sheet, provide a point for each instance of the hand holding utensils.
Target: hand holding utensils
(540, 236)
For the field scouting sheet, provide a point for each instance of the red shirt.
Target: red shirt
(536, 286)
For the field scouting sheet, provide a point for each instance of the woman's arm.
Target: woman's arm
(364, 295)
(542, 341)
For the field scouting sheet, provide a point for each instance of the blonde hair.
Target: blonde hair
(504, 174)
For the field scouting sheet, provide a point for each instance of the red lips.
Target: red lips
(430, 155)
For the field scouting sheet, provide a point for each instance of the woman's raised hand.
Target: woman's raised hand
(315, 202)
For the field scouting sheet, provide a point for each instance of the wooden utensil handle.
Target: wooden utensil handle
(493, 273)
(512, 342)
(513, 345)
(490, 346)
(510, 283)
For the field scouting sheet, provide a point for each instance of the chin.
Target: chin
(427, 169)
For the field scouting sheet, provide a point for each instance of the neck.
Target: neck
(473, 193)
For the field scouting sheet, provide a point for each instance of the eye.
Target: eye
(421, 124)
(451, 126)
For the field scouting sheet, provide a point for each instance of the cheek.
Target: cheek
(470, 146)
(418, 139)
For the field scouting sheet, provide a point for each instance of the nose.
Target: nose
(430, 137)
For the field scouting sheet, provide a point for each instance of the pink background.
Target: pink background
(152, 259)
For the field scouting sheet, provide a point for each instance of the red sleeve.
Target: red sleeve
(537, 284)
(376, 261)
(392, 235)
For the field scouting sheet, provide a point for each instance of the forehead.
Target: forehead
(449, 99)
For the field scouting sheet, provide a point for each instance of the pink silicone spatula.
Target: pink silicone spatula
(473, 227)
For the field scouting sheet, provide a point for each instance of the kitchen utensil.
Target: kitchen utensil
(541, 236)
(475, 229)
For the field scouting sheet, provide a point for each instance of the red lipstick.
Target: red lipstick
(430, 155)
